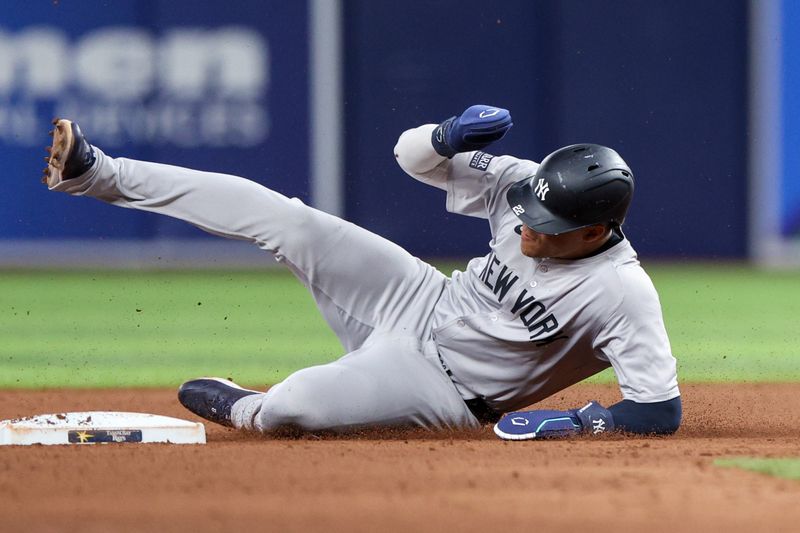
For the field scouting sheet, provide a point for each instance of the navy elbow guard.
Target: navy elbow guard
(658, 418)
(523, 425)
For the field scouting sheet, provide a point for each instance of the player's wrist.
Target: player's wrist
(439, 138)
(594, 418)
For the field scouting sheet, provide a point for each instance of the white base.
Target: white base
(92, 427)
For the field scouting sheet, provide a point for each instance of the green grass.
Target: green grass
(788, 467)
(729, 323)
(158, 328)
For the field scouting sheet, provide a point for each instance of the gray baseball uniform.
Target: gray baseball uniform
(515, 330)
(510, 329)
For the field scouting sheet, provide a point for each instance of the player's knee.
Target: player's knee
(311, 227)
(295, 404)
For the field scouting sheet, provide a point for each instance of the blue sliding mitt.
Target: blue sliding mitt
(524, 425)
(476, 128)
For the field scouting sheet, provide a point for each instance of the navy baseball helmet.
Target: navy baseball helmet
(574, 187)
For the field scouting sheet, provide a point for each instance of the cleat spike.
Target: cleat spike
(47, 159)
(51, 133)
(70, 154)
(44, 180)
(46, 171)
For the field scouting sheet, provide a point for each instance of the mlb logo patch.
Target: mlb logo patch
(480, 161)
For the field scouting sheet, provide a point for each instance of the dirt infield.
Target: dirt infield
(411, 481)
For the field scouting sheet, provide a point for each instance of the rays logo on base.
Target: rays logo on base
(91, 436)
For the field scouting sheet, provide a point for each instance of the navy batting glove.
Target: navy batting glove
(542, 424)
(594, 418)
(476, 128)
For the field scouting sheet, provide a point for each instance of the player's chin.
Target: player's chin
(529, 249)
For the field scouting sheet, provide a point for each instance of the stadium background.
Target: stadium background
(247, 90)
(100, 310)
(309, 98)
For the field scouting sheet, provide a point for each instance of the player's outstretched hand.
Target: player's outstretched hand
(474, 129)
(523, 425)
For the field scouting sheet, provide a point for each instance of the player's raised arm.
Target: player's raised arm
(449, 156)
(424, 152)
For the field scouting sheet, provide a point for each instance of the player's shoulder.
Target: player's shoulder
(502, 171)
(617, 279)
(634, 286)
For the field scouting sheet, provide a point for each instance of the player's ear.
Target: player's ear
(594, 233)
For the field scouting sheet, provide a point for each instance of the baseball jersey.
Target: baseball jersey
(513, 329)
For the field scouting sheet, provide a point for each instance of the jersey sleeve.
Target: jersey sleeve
(634, 340)
(475, 182)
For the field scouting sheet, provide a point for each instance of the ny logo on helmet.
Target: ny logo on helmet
(542, 188)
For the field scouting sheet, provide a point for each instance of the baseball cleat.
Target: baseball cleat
(212, 398)
(70, 154)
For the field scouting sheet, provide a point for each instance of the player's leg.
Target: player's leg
(389, 382)
(361, 281)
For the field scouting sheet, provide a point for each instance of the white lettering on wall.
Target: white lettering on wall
(186, 87)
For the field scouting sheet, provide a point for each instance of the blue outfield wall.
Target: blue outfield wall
(182, 82)
(662, 82)
(226, 89)
(790, 128)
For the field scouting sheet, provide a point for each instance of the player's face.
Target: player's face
(569, 245)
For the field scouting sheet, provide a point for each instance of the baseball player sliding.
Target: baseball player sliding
(559, 297)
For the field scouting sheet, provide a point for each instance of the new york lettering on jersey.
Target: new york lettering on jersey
(533, 314)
